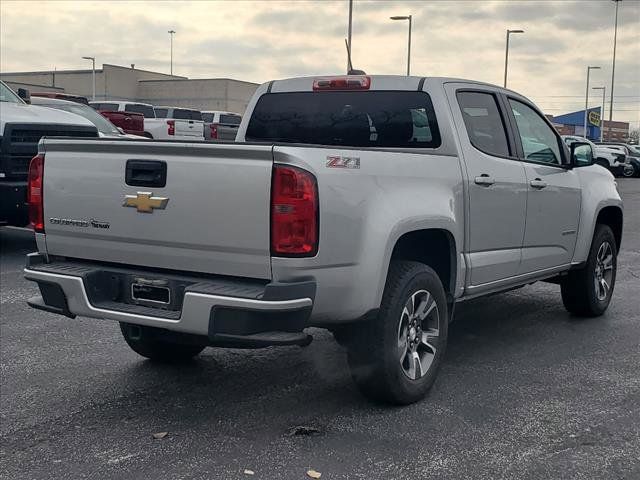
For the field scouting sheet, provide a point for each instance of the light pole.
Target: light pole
(586, 100)
(406, 17)
(506, 54)
(613, 67)
(604, 90)
(349, 65)
(171, 32)
(93, 74)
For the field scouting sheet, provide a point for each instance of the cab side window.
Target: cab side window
(484, 123)
(539, 141)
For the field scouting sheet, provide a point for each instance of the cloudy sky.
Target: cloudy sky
(263, 40)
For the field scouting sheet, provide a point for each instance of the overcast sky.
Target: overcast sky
(263, 40)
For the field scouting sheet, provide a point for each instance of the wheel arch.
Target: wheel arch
(435, 247)
(612, 217)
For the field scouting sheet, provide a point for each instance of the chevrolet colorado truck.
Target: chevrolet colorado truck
(367, 205)
(21, 127)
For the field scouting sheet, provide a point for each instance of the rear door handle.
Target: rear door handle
(484, 180)
(538, 184)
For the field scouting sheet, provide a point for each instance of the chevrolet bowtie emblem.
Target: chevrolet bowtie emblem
(145, 202)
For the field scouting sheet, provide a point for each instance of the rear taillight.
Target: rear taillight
(34, 193)
(214, 130)
(342, 83)
(171, 124)
(294, 212)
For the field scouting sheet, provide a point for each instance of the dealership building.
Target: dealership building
(573, 124)
(115, 82)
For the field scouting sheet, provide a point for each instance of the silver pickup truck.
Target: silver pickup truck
(368, 205)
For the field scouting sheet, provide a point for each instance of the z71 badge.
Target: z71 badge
(343, 162)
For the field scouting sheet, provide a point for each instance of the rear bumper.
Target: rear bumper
(221, 309)
(13, 207)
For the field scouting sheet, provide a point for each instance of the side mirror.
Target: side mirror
(24, 94)
(581, 154)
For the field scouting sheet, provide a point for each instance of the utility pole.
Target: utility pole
(613, 67)
(171, 32)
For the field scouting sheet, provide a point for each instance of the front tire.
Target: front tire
(587, 292)
(395, 357)
(143, 341)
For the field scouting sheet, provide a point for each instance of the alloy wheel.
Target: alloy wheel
(603, 277)
(418, 334)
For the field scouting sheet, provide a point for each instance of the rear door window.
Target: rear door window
(391, 119)
(146, 110)
(160, 112)
(484, 123)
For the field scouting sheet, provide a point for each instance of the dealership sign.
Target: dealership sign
(594, 118)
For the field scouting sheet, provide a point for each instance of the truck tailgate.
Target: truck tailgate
(215, 219)
(189, 128)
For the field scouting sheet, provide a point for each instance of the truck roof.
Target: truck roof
(378, 82)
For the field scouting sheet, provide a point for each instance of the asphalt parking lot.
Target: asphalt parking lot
(526, 391)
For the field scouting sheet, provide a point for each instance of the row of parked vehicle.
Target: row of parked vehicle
(142, 119)
(619, 158)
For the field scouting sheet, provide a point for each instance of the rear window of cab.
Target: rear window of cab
(373, 118)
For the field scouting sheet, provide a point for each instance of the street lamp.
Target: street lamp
(506, 54)
(171, 32)
(406, 17)
(613, 67)
(604, 90)
(586, 100)
(93, 69)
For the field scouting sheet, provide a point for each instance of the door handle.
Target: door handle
(538, 184)
(484, 180)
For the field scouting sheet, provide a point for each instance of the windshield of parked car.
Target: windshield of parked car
(391, 119)
(7, 95)
(103, 125)
(634, 149)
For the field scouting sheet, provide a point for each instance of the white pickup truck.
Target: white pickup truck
(154, 127)
(368, 205)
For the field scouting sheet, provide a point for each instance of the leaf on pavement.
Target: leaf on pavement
(160, 435)
(313, 474)
(249, 472)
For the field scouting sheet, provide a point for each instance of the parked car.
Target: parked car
(188, 122)
(21, 127)
(631, 151)
(130, 122)
(611, 159)
(220, 125)
(104, 126)
(312, 219)
(157, 128)
(62, 96)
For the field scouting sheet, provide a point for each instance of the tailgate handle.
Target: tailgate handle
(146, 173)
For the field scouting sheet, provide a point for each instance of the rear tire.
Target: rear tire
(141, 340)
(395, 357)
(587, 292)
